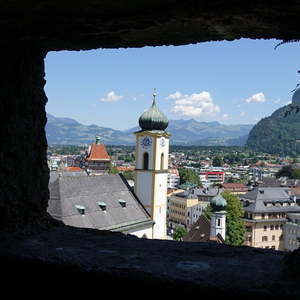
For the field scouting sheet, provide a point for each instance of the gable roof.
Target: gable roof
(200, 232)
(98, 152)
(67, 192)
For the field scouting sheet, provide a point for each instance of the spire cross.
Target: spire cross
(154, 95)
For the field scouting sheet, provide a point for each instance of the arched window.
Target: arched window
(146, 161)
(162, 161)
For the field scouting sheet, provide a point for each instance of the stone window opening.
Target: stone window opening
(87, 42)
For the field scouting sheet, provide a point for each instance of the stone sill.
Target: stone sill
(65, 254)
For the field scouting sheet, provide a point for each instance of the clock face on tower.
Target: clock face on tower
(162, 142)
(146, 142)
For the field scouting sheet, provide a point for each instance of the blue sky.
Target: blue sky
(236, 82)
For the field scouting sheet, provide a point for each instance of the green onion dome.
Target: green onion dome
(218, 203)
(153, 118)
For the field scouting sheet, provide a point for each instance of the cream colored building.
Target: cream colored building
(178, 208)
(266, 211)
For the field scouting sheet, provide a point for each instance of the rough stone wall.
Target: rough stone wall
(23, 146)
(88, 24)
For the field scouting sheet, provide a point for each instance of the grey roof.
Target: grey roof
(55, 174)
(270, 182)
(194, 193)
(269, 199)
(67, 192)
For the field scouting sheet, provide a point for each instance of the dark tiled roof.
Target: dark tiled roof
(67, 192)
(200, 232)
(270, 182)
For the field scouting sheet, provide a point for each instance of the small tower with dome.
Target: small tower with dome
(151, 171)
(218, 218)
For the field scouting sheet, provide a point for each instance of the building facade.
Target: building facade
(266, 212)
(212, 176)
(173, 178)
(291, 232)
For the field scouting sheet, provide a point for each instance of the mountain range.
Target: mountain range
(183, 132)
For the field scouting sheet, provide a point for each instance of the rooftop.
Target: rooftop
(98, 152)
(68, 193)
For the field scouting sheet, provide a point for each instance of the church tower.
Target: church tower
(151, 171)
(218, 218)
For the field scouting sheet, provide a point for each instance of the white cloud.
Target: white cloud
(242, 113)
(194, 105)
(258, 98)
(111, 97)
(225, 116)
(176, 95)
(289, 102)
(277, 100)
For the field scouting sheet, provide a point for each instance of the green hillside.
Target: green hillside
(276, 134)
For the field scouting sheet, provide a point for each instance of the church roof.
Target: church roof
(98, 152)
(153, 118)
(200, 232)
(101, 198)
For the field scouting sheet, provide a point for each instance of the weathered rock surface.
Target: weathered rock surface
(79, 256)
(88, 24)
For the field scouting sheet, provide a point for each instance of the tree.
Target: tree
(217, 161)
(207, 212)
(112, 169)
(129, 175)
(188, 175)
(288, 171)
(179, 233)
(235, 226)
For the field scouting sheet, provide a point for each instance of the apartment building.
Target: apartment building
(173, 178)
(186, 207)
(212, 176)
(291, 232)
(266, 212)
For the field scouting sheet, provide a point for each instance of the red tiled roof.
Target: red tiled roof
(98, 152)
(72, 169)
(125, 168)
(174, 171)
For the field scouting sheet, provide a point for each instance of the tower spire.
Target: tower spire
(154, 96)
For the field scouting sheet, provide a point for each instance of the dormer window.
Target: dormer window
(80, 209)
(102, 205)
(122, 202)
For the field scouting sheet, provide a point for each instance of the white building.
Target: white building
(291, 232)
(173, 178)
